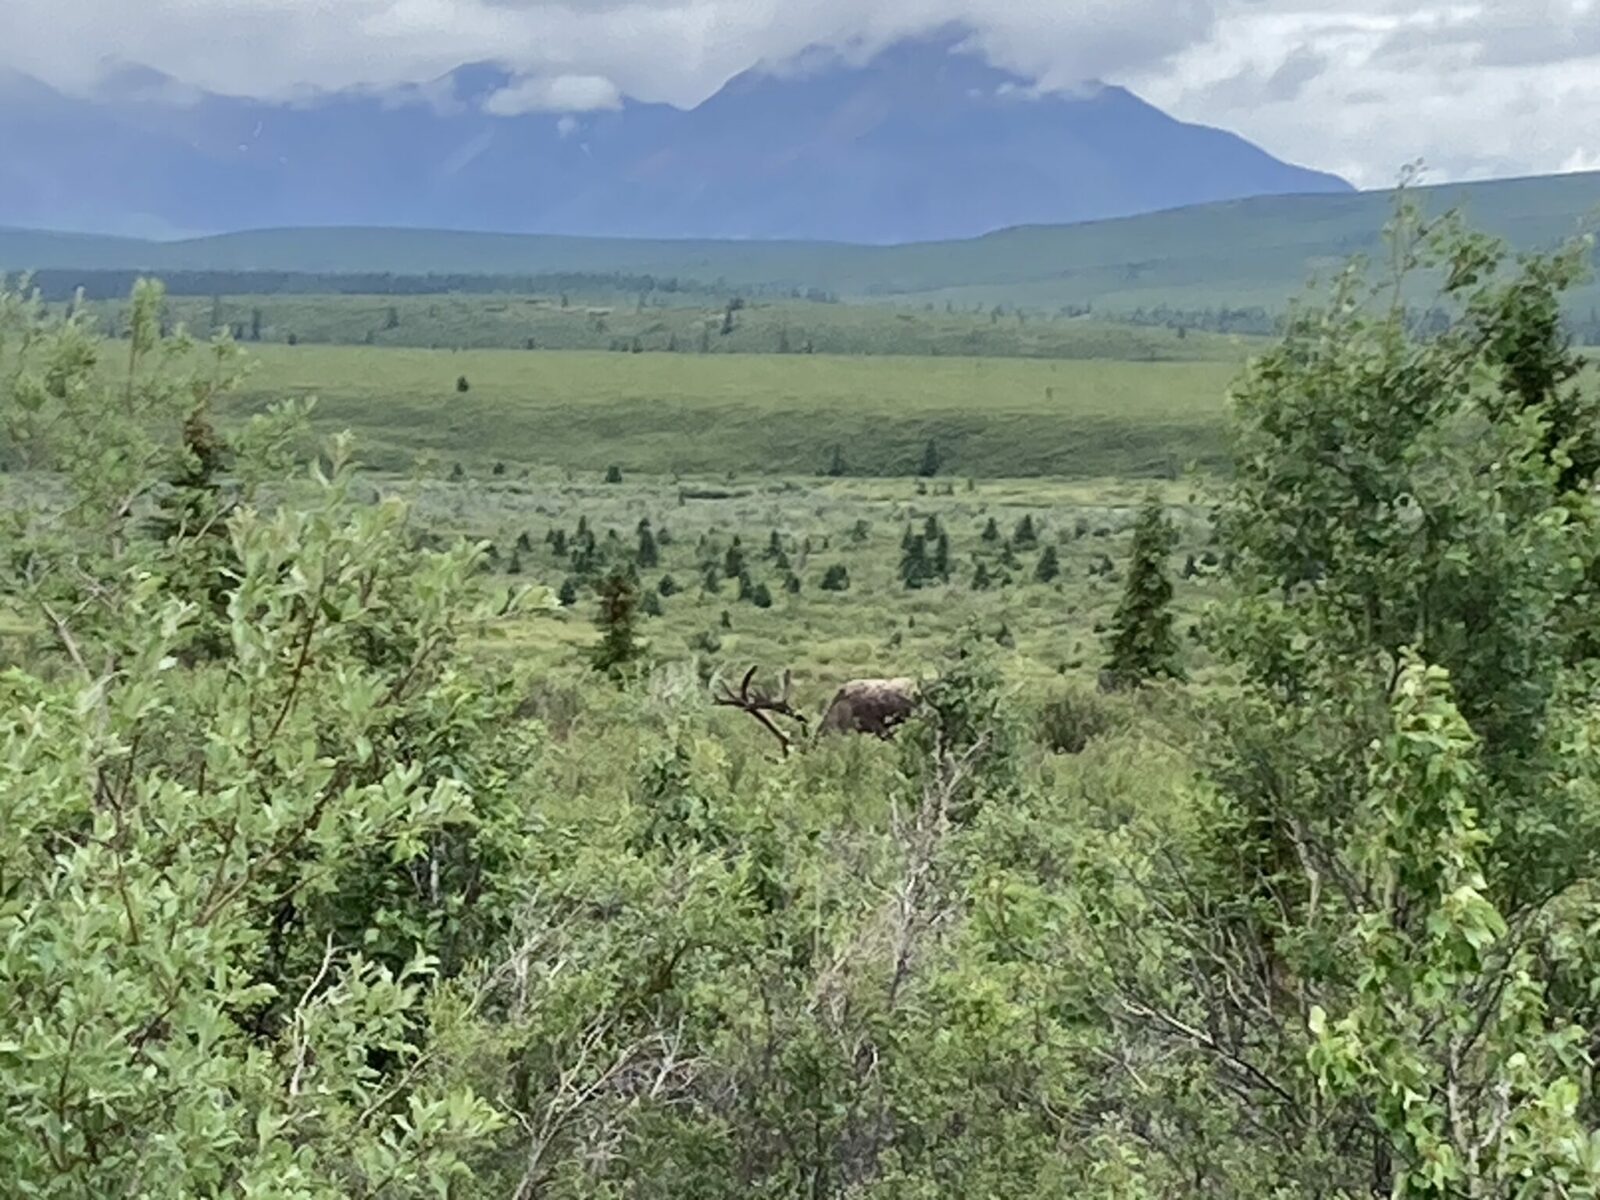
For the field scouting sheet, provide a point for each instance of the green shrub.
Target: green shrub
(1070, 720)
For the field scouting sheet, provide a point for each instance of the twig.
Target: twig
(300, 1040)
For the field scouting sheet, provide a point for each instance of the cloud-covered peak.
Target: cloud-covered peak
(1355, 86)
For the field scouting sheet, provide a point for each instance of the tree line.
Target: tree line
(60, 285)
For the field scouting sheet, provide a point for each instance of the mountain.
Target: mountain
(922, 142)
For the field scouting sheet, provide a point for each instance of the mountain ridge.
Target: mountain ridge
(920, 143)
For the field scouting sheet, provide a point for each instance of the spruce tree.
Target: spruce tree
(836, 578)
(1142, 642)
(583, 559)
(617, 621)
(1049, 566)
(836, 464)
(1026, 536)
(931, 460)
(648, 555)
(991, 531)
(914, 567)
(733, 564)
(192, 519)
(939, 559)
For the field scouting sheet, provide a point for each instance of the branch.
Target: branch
(301, 1045)
(1207, 1042)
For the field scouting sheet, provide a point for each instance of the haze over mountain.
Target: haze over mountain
(923, 142)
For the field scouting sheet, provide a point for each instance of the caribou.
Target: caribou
(871, 706)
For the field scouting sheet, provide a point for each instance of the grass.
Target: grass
(710, 415)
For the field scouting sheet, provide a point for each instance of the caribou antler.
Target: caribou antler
(758, 704)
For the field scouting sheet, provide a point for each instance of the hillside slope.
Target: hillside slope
(1248, 252)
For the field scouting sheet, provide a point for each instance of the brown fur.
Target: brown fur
(875, 706)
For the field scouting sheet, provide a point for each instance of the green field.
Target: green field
(708, 415)
(713, 447)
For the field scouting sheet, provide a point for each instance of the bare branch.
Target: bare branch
(301, 1041)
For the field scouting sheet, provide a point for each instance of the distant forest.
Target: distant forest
(62, 284)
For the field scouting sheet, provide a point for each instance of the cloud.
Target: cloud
(1522, 33)
(1289, 80)
(1361, 87)
(560, 93)
(674, 50)
(1473, 90)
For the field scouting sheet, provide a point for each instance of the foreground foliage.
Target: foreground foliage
(299, 899)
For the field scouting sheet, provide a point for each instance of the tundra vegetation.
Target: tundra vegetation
(327, 871)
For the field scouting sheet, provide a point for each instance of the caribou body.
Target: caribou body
(874, 706)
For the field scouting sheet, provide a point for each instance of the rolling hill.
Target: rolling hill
(923, 142)
(1254, 252)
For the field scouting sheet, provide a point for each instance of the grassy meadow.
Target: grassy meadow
(721, 447)
(1050, 628)
(770, 415)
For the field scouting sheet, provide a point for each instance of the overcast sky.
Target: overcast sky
(1359, 87)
